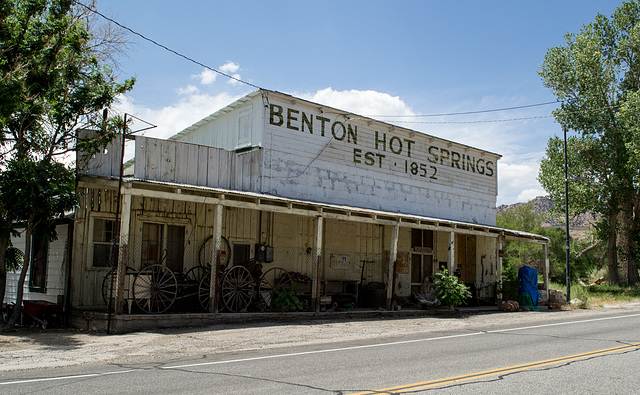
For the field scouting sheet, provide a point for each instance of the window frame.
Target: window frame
(92, 242)
(35, 240)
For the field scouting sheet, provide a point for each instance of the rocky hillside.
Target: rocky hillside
(578, 226)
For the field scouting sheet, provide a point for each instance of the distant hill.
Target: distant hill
(578, 226)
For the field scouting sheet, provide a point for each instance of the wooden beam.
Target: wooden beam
(393, 257)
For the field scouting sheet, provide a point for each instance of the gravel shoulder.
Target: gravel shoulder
(29, 348)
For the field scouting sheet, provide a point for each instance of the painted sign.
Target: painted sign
(382, 149)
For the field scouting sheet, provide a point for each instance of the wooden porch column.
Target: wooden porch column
(215, 268)
(545, 256)
(393, 257)
(452, 253)
(125, 223)
(317, 259)
(499, 242)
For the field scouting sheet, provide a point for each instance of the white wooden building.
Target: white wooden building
(338, 200)
(47, 278)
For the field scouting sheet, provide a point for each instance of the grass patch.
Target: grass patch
(600, 295)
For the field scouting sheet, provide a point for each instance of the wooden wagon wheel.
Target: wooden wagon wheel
(237, 289)
(108, 282)
(196, 274)
(204, 290)
(205, 253)
(155, 289)
(272, 281)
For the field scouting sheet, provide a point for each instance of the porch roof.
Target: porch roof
(271, 203)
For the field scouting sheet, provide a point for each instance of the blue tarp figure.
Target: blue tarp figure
(528, 291)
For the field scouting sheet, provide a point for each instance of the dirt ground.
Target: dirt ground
(30, 348)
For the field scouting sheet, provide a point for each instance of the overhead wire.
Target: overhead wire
(372, 116)
(165, 47)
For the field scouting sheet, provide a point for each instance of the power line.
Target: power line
(165, 47)
(373, 116)
(466, 112)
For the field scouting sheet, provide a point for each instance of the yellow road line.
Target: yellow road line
(495, 372)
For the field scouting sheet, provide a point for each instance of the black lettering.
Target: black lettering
(333, 130)
(308, 122)
(322, 120)
(455, 159)
(368, 159)
(275, 111)
(357, 154)
(434, 155)
(480, 166)
(444, 157)
(352, 134)
(489, 168)
(383, 141)
(391, 140)
(290, 117)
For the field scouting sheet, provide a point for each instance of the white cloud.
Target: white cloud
(206, 77)
(188, 90)
(360, 102)
(231, 81)
(229, 68)
(177, 116)
(517, 181)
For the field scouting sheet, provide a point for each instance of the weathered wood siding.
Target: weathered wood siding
(236, 126)
(57, 265)
(105, 163)
(318, 155)
(184, 163)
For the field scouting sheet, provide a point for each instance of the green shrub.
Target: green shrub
(448, 290)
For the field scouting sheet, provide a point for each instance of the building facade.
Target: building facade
(355, 212)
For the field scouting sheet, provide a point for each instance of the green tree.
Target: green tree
(55, 79)
(596, 76)
(517, 253)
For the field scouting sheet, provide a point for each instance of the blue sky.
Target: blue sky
(369, 57)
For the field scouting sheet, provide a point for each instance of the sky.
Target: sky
(373, 58)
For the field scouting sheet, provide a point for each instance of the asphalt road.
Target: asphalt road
(590, 355)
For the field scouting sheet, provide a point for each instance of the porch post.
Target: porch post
(317, 259)
(499, 265)
(393, 257)
(215, 267)
(125, 222)
(545, 256)
(452, 253)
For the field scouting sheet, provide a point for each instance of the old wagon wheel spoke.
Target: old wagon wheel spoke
(155, 289)
(109, 284)
(204, 290)
(271, 282)
(237, 289)
(196, 273)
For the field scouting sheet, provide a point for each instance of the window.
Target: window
(421, 257)
(38, 273)
(104, 232)
(151, 243)
(175, 248)
(164, 244)
(241, 254)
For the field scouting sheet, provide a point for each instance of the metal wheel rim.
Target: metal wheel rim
(272, 280)
(155, 289)
(237, 289)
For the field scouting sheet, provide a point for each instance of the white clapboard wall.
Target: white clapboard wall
(191, 164)
(370, 164)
